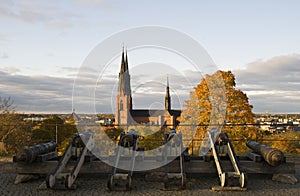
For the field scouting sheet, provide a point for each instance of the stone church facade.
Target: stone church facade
(126, 115)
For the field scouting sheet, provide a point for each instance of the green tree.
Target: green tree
(52, 128)
(113, 132)
(216, 101)
(152, 141)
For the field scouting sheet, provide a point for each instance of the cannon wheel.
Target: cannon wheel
(243, 180)
(50, 181)
(224, 179)
(109, 182)
(129, 183)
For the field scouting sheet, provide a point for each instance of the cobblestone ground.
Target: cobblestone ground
(257, 185)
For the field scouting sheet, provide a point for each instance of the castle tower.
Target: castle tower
(124, 99)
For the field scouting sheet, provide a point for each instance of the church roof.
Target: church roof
(148, 113)
(175, 112)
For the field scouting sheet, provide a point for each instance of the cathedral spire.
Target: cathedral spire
(124, 77)
(126, 61)
(123, 64)
(167, 98)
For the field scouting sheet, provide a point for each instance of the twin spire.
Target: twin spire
(124, 77)
(124, 81)
(124, 62)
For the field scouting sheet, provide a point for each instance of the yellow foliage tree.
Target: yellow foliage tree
(216, 103)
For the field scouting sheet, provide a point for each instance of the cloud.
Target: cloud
(20, 12)
(36, 93)
(69, 69)
(46, 94)
(39, 93)
(273, 84)
(48, 13)
(54, 94)
(11, 70)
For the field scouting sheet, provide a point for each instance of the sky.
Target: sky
(43, 45)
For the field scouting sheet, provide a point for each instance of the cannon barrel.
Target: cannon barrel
(222, 139)
(272, 156)
(127, 140)
(30, 154)
(80, 139)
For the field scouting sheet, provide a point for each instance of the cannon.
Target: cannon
(128, 142)
(78, 148)
(222, 145)
(174, 148)
(272, 156)
(32, 153)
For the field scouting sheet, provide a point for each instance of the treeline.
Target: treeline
(15, 133)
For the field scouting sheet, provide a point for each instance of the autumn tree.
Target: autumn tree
(13, 132)
(216, 103)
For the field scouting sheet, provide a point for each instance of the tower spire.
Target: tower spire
(124, 77)
(167, 98)
(122, 70)
(126, 61)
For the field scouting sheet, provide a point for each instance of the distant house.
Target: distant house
(35, 119)
(105, 121)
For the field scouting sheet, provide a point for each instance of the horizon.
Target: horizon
(28, 113)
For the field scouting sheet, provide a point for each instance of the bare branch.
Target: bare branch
(6, 105)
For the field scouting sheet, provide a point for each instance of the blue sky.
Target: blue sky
(47, 41)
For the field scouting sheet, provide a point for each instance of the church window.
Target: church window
(121, 105)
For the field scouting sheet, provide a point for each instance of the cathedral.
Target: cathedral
(126, 115)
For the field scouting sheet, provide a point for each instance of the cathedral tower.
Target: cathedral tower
(126, 115)
(124, 99)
